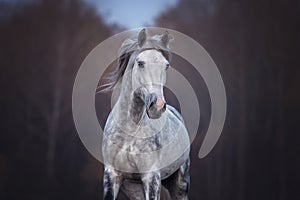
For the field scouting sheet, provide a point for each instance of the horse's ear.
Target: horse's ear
(142, 37)
(165, 38)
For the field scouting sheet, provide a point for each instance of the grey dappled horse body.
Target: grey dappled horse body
(145, 141)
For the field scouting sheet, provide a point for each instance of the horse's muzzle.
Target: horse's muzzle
(155, 106)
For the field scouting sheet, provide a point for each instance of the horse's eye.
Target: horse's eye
(141, 64)
(167, 66)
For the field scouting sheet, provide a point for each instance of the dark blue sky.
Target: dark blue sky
(131, 13)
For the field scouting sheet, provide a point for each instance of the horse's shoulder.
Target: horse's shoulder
(109, 126)
(175, 112)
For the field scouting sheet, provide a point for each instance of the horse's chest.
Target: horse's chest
(130, 152)
(134, 145)
(144, 145)
(140, 151)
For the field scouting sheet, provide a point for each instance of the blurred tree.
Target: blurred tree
(42, 47)
(254, 44)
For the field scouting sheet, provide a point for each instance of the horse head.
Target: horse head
(149, 73)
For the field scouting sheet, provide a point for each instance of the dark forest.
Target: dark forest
(255, 45)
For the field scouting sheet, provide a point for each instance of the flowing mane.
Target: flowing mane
(127, 52)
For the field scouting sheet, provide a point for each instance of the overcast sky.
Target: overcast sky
(131, 13)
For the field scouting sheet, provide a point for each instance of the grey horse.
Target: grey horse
(145, 145)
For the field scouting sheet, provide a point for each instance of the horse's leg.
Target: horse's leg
(112, 181)
(135, 191)
(179, 187)
(152, 185)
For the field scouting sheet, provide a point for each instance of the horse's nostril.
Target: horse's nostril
(151, 104)
(152, 100)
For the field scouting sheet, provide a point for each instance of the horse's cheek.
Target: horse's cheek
(135, 81)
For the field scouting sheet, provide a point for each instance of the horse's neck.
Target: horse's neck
(126, 91)
(124, 100)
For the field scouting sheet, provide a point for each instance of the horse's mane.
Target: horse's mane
(130, 48)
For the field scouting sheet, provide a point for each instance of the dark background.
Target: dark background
(255, 44)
